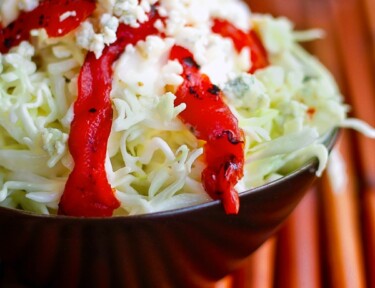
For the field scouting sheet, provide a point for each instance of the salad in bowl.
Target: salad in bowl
(126, 107)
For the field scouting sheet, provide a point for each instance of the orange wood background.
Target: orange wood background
(329, 241)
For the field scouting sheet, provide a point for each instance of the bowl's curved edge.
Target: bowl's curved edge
(188, 247)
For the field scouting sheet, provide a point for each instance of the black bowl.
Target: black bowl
(190, 247)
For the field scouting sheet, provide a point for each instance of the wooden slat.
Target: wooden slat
(369, 227)
(360, 66)
(354, 47)
(318, 14)
(298, 247)
(369, 8)
(349, 52)
(226, 282)
(293, 9)
(258, 270)
(344, 266)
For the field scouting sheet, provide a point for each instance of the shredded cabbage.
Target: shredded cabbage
(154, 162)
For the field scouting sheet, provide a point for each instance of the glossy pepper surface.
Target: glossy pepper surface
(211, 120)
(241, 40)
(87, 191)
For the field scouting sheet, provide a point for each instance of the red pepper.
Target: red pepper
(46, 15)
(258, 53)
(211, 120)
(87, 191)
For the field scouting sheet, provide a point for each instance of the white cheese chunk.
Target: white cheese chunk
(10, 9)
(96, 42)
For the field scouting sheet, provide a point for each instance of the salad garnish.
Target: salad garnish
(87, 191)
(46, 15)
(211, 120)
(243, 40)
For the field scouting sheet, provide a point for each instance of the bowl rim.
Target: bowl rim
(329, 140)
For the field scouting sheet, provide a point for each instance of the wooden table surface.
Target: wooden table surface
(329, 241)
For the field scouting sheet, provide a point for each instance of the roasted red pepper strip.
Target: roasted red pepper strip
(211, 120)
(46, 15)
(258, 53)
(87, 191)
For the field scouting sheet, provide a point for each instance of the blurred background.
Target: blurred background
(329, 241)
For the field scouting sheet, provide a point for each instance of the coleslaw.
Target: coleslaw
(154, 161)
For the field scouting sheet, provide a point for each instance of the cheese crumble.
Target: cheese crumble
(10, 9)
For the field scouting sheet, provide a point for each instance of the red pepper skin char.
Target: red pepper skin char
(87, 192)
(46, 15)
(211, 120)
(241, 39)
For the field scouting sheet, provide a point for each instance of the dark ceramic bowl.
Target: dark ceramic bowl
(189, 247)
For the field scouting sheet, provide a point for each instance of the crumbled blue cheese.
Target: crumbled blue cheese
(246, 91)
(200, 11)
(132, 12)
(188, 23)
(145, 67)
(171, 73)
(95, 42)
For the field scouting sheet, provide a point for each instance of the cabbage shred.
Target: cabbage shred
(153, 161)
